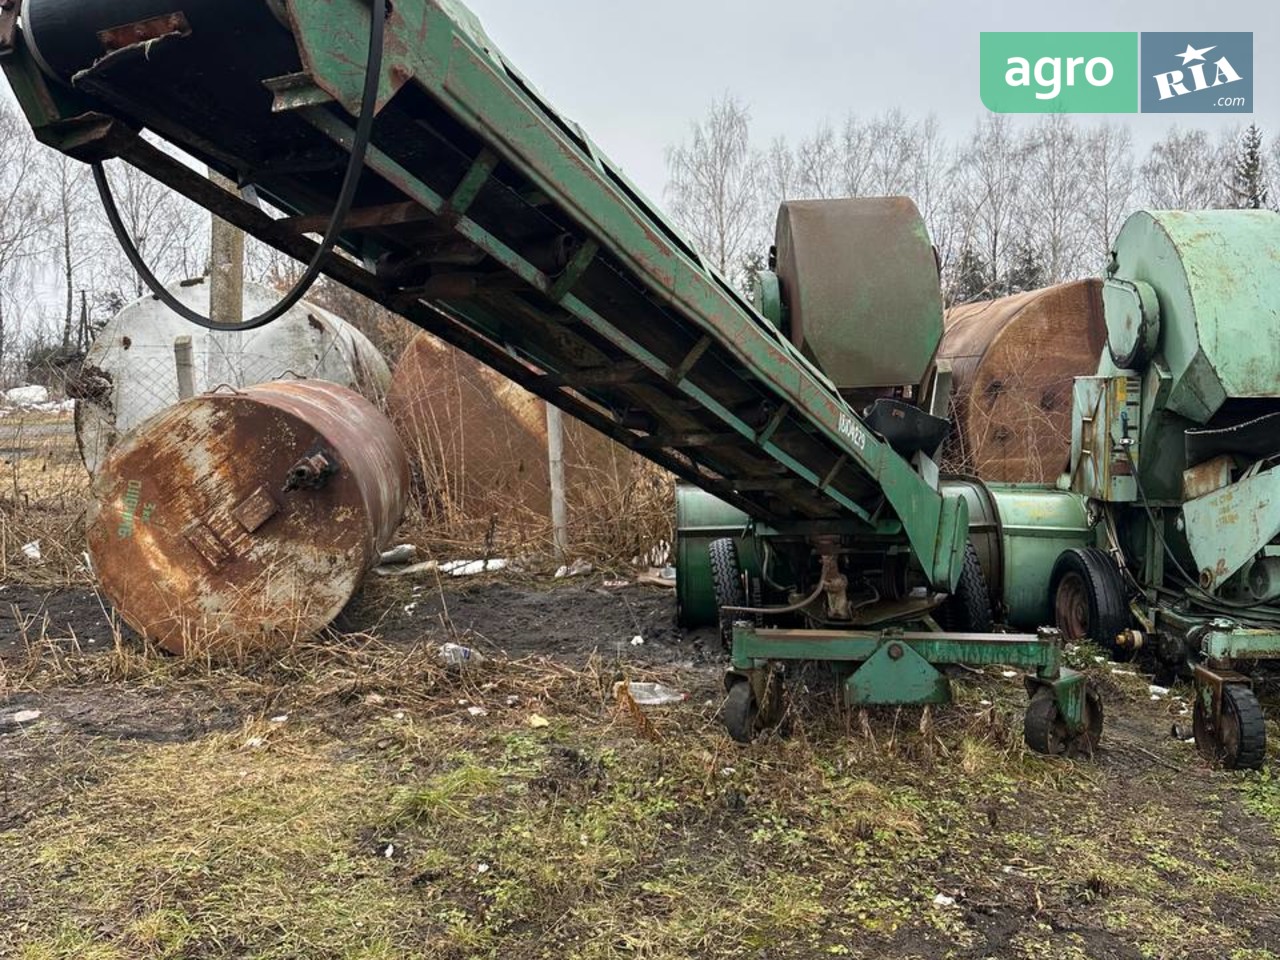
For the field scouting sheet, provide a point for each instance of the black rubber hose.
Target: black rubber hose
(355, 168)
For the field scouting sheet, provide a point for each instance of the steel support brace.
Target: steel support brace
(901, 667)
(1231, 643)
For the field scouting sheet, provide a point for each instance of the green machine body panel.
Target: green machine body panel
(1019, 531)
(1218, 323)
(1105, 431)
(701, 519)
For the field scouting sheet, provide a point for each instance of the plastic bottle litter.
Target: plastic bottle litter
(654, 694)
(455, 655)
(403, 553)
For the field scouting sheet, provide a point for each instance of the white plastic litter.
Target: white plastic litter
(283, 718)
(477, 711)
(455, 655)
(404, 553)
(1157, 692)
(942, 900)
(26, 716)
(469, 568)
(27, 396)
(653, 694)
(579, 568)
(32, 551)
(637, 641)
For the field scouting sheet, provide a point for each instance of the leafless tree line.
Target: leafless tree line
(54, 237)
(1013, 205)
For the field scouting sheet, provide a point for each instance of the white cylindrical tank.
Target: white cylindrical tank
(130, 373)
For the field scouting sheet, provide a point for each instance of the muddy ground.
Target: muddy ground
(521, 810)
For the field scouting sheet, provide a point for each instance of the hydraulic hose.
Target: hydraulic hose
(350, 183)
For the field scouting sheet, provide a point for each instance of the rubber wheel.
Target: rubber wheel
(1089, 600)
(1045, 730)
(1241, 742)
(741, 713)
(968, 609)
(726, 577)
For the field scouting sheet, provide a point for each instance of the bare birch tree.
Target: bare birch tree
(714, 186)
(819, 166)
(1054, 221)
(1184, 171)
(170, 232)
(23, 219)
(1110, 188)
(68, 190)
(990, 175)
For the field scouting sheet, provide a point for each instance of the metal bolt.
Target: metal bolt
(895, 651)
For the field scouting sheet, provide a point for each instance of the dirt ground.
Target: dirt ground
(356, 798)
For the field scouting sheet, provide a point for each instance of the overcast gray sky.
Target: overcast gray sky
(635, 74)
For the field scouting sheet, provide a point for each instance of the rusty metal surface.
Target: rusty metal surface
(860, 281)
(1013, 361)
(195, 541)
(1206, 478)
(152, 28)
(479, 441)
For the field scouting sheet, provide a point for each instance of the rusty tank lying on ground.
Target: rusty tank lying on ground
(1014, 360)
(246, 519)
(479, 440)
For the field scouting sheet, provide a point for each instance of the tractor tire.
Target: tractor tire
(1089, 601)
(968, 609)
(726, 576)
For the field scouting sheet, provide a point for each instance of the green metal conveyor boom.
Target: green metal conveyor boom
(491, 221)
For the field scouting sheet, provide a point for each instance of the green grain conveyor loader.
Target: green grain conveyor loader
(450, 191)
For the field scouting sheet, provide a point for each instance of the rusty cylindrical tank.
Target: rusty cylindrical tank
(1013, 362)
(246, 519)
(480, 440)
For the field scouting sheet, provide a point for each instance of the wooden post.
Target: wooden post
(226, 266)
(184, 362)
(555, 459)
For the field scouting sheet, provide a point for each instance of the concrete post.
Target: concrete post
(226, 266)
(184, 360)
(555, 459)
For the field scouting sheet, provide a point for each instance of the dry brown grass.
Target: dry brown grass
(44, 489)
(619, 509)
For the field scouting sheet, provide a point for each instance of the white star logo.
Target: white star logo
(1191, 53)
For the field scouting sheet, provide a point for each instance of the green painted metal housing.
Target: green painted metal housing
(701, 519)
(1019, 531)
(1216, 277)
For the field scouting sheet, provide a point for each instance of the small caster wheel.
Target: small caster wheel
(1045, 729)
(745, 715)
(741, 713)
(1238, 741)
